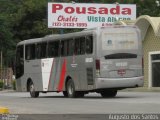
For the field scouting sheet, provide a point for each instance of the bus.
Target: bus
(102, 60)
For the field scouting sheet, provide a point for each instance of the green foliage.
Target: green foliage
(148, 7)
(1, 84)
(31, 20)
(7, 44)
(14, 84)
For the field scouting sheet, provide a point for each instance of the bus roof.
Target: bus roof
(68, 35)
(30, 41)
(55, 37)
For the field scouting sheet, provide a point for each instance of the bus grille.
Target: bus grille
(90, 76)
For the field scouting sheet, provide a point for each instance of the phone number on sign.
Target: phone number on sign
(59, 24)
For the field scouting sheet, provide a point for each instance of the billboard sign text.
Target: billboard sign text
(80, 15)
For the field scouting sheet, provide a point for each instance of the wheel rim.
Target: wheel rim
(70, 89)
(31, 88)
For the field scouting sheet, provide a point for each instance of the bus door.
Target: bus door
(19, 65)
(78, 62)
(33, 65)
(83, 62)
(89, 61)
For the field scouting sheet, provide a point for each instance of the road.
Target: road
(55, 103)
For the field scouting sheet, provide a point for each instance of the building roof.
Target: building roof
(125, 22)
(143, 22)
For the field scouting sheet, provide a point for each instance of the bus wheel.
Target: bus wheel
(71, 89)
(109, 93)
(65, 93)
(33, 93)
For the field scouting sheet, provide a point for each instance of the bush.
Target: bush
(1, 84)
(14, 84)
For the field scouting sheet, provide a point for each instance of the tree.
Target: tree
(148, 7)
(31, 20)
(7, 44)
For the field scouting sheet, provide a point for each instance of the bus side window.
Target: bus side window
(38, 51)
(71, 47)
(77, 46)
(19, 61)
(53, 49)
(41, 50)
(64, 48)
(30, 52)
(27, 52)
(82, 45)
(89, 44)
(19, 54)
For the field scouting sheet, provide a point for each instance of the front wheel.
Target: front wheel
(33, 93)
(109, 93)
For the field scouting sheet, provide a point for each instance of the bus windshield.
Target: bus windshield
(119, 41)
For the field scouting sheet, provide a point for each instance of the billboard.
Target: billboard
(84, 15)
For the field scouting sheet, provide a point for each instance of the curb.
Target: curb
(4, 110)
(141, 89)
(6, 91)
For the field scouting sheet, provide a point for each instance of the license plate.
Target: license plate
(121, 72)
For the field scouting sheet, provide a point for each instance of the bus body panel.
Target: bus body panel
(33, 71)
(54, 75)
(119, 67)
(119, 51)
(119, 83)
(83, 72)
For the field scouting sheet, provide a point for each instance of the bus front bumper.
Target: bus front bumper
(102, 83)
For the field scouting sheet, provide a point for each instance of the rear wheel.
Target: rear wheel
(71, 92)
(71, 89)
(109, 93)
(33, 93)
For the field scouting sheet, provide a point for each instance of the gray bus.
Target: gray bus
(102, 60)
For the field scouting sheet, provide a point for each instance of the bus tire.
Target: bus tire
(109, 93)
(71, 89)
(33, 93)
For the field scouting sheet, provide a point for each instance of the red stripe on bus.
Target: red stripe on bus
(51, 74)
(62, 76)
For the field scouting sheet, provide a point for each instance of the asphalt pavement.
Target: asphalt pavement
(54, 105)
